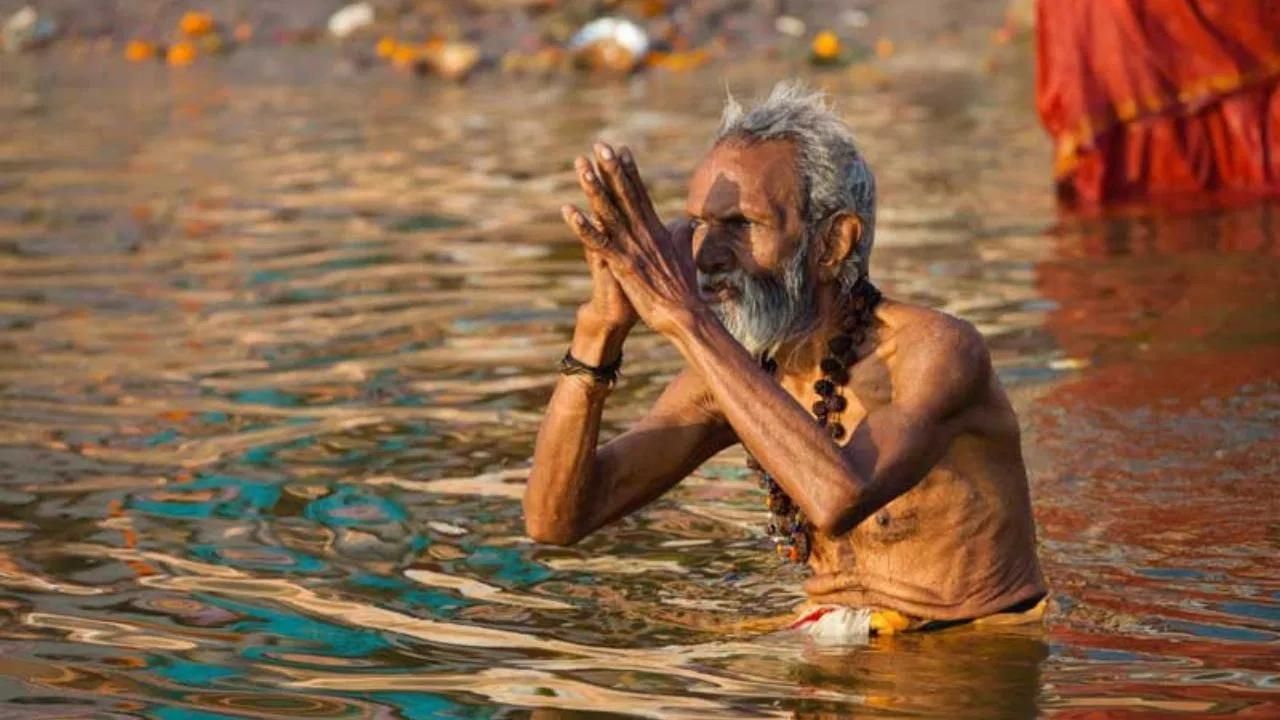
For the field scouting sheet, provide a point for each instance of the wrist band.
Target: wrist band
(608, 374)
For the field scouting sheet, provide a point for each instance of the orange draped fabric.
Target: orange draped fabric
(1151, 100)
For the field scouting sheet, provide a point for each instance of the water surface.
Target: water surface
(274, 342)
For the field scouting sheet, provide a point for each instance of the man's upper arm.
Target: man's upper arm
(946, 371)
(680, 432)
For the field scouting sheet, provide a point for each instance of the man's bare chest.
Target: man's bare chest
(922, 524)
(870, 386)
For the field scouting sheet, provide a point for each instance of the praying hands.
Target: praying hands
(651, 263)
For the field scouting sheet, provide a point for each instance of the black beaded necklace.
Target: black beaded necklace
(788, 527)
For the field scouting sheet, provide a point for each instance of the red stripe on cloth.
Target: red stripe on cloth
(811, 618)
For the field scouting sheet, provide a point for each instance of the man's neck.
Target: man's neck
(801, 355)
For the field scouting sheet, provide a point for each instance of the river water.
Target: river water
(274, 341)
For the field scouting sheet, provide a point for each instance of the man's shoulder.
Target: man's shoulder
(924, 332)
(938, 354)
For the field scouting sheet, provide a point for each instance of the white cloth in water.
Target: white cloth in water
(836, 625)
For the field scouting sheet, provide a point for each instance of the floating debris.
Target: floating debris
(826, 48)
(299, 36)
(386, 47)
(855, 18)
(181, 54)
(453, 61)
(196, 24)
(141, 51)
(405, 56)
(450, 60)
(196, 34)
(884, 48)
(543, 61)
(789, 25)
(27, 30)
(445, 528)
(609, 43)
(680, 61)
(350, 20)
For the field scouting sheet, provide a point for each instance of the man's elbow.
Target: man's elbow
(837, 517)
(551, 533)
(831, 524)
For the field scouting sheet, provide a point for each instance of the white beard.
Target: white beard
(767, 310)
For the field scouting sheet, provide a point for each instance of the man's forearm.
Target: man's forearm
(557, 500)
(596, 341)
(778, 431)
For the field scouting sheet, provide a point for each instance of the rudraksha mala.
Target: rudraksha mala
(788, 528)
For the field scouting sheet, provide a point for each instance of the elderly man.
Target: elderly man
(887, 446)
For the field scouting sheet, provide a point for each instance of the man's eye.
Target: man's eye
(695, 223)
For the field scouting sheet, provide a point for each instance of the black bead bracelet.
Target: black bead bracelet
(608, 374)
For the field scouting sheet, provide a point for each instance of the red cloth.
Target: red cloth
(1160, 99)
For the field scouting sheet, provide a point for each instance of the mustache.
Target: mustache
(712, 283)
(762, 310)
(734, 280)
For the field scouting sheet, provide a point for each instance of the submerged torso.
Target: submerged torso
(959, 544)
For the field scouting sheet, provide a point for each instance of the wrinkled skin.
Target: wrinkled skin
(923, 508)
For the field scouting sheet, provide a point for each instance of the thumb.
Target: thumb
(591, 236)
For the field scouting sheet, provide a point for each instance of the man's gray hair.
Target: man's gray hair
(834, 174)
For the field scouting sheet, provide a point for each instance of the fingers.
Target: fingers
(623, 189)
(631, 174)
(681, 233)
(590, 235)
(598, 196)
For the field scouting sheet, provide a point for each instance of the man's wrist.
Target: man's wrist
(683, 321)
(694, 326)
(597, 341)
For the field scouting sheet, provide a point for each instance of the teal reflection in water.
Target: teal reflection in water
(329, 638)
(438, 602)
(238, 497)
(349, 506)
(266, 276)
(425, 706)
(259, 558)
(267, 396)
(1221, 632)
(1260, 611)
(182, 713)
(1113, 656)
(266, 454)
(507, 565)
(161, 438)
(189, 673)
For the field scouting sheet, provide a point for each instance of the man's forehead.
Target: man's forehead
(746, 176)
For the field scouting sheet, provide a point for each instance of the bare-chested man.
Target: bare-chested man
(890, 447)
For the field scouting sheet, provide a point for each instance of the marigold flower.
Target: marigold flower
(404, 56)
(181, 54)
(386, 47)
(195, 24)
(139, 51)
(826, 47)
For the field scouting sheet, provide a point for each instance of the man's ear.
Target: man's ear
(840, 237)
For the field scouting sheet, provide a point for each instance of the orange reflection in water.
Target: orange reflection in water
(1156, 465)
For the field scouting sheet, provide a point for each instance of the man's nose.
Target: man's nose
(713, 255)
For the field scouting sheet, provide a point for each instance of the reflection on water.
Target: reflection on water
(275, 347)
